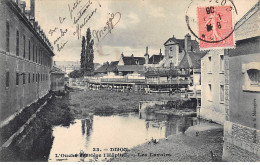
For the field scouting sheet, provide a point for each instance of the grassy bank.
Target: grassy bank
(200, 143)
(178, 107)
(84, 102)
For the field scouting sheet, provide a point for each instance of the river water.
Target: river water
(95, 139)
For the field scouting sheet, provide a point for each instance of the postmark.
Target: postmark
(213, 24)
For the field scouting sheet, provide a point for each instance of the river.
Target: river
(98, 138)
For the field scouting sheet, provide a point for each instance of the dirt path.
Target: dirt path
(188, 147)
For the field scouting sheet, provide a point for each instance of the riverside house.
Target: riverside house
(230, 90)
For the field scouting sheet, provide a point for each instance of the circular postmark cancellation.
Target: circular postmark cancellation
(212, 23)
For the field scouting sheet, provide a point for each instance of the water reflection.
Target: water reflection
(98, 134)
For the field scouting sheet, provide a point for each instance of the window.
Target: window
(29, 78)
(254, 77)
(209, 92)
(23, 78)
(170, 48)
(36, 54)
(29, 50)
(33, 52)
(17, 78)
(251, 73)
(7, 79)
(7, 37)
(136, 62)
(221, 63)
(221, 94)
(209, 64)
(33, 77)
(39, 56)
(17, 43)
(24, 46)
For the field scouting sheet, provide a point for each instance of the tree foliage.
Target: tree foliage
(87, 54)
(75, 74)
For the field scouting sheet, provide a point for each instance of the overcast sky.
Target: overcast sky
(143, 23)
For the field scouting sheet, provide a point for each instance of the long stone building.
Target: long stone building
(25, 58)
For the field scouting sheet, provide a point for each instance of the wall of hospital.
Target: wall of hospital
(15, 95)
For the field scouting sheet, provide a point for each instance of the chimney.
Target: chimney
(17, 2)
(33, 8)
(38, 28)
(187, 42)
(132, 55)
(146, 56)
(23, 5)
(160, 52)
(122, 55)
(27, 14)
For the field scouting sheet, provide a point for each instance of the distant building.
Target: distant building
(102, 70)
(112, 69)
(57, 79)
(25, 59)
(175, 49)
(131, 60)
(68, 66)
(125, 65)
(179, 68)
(191, 63)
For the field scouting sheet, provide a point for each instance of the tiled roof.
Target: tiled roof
(181, 43)
(155, 59)
(141, 60)
(130, 68)
(57, 70)
(112, 66)
(129, 60)
(192, 60)
(102, 69)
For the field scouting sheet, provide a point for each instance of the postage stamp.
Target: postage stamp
(129, 81)
(215, 27)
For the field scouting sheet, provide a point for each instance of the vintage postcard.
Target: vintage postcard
(129, 81)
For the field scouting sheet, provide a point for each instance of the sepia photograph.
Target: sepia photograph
(129, 81)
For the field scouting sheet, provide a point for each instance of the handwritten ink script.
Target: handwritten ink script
(80, 14)
(110, 24)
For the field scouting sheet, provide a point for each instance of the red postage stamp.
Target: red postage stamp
(215, 27)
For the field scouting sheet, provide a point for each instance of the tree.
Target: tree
(75, 74)
(87, 54)
(83, 53)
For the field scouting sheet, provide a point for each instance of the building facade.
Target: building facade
(212, 86)
(57, 80)
(242, 91)
(25, 59)
(175, 49)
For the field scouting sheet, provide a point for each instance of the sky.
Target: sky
(137, 24)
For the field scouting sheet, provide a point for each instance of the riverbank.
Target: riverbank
(200, 143)
(83, 102)
(35, 140)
